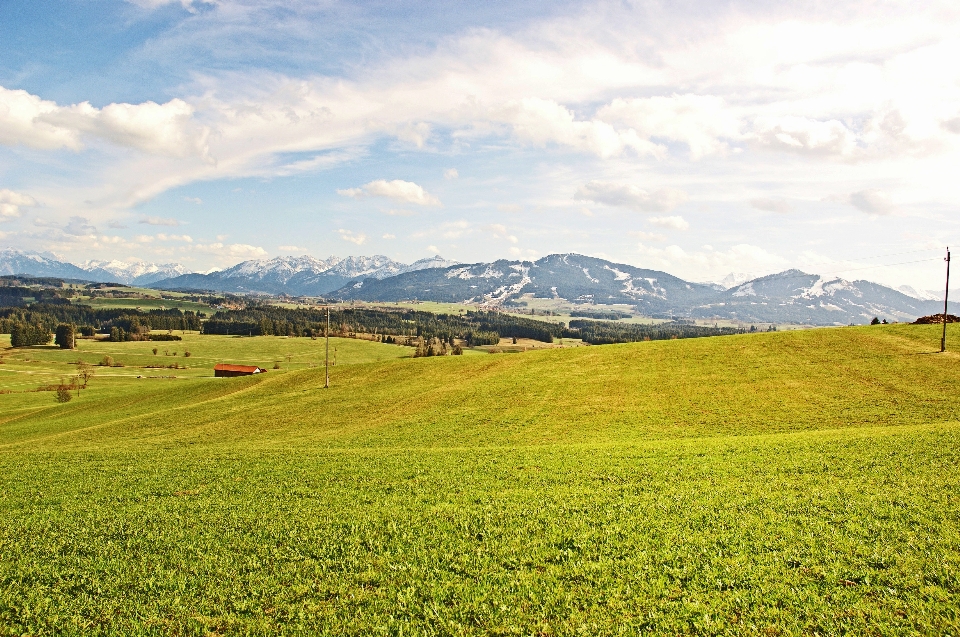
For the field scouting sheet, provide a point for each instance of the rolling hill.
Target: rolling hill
(781, 483)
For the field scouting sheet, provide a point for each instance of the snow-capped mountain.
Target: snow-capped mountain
(278, 270)
(790, 296)
(133, 272)
(436, 261)
(573, 277)
(733, 279)
(38, 264)
(923, 295)
(303, 275)
(799, 297)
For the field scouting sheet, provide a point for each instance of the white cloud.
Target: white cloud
(805, 136)
(11, 202)
(710, 264)
(159, 221)
(543, 122)
(389, 236)
(156, 4)
(649, 236)
(79, 226)
(292, 249)
(398, 190)
(417, 134)
(500, 231)
(792, 89)
(352, 237)
(164, 129)
(702, 122)
(433, 249)
(674, 222)
(451, 173)
(630, 196)
(233, 251)
(771, 205)
(174, 237)
(872, 202)
(196, 200)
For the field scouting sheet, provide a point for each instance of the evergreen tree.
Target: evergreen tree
(65, 336)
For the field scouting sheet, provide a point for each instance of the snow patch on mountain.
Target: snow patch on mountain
(435, 261)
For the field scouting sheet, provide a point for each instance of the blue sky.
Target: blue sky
(700, 138)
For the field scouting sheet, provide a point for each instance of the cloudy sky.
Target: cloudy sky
(701, 138)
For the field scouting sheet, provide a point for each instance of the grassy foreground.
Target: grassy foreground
(785, 483)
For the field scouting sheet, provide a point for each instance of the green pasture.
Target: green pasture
(144, 304)
(767, 484)
(27, 368)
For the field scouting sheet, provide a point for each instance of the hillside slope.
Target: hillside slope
(736, 385)
(761, 484)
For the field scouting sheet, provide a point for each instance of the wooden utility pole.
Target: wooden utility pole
(327, 385)
(946, 294)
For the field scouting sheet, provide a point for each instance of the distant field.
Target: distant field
(146, 304)
(773, 483)
(28, 368)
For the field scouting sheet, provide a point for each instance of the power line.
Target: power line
(760, 273)
(879, 265)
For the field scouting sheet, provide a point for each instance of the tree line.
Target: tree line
(33, 325)
(476, 327)
(608, 332)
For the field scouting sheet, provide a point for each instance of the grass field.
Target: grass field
(781, 483)
(27, 368)
(145, 304)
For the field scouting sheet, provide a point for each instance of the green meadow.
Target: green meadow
(144, 304)
(787, 483)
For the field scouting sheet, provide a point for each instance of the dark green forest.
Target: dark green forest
(474, 327)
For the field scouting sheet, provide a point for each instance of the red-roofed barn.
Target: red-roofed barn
(222, 370)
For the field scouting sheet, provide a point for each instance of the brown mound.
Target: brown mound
(936, 319)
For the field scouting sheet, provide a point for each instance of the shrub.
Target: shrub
(63, 394)
(154, 351)
(162, 337)
(107, 361)
(276, 365)
(187, 354)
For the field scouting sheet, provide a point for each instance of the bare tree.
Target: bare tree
(84, 372)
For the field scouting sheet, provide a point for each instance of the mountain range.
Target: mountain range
(48, 265)
(792, 296)
(298, 276)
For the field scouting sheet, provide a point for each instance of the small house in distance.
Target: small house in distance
(222, 370)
